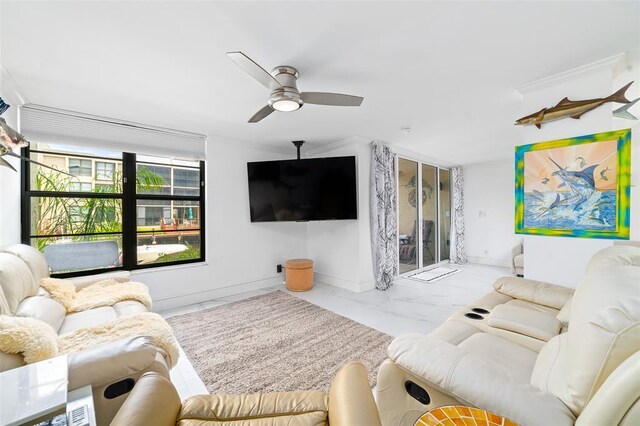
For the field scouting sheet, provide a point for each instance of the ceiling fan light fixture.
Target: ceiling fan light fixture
(285, 96)
(285, 105)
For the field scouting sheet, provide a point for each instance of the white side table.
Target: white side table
(38, 392)
(34, 392)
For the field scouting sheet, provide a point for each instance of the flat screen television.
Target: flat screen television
(303, 190)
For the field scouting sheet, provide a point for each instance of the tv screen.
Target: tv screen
(303, 190)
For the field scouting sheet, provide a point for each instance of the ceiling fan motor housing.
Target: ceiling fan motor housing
(287, 76)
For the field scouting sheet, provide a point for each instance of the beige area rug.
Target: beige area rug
(275, 342)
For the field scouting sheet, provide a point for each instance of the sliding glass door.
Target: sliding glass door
(407, 215)
(429, 214)
(424, 215)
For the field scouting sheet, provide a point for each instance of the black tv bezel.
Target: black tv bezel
(292, 160)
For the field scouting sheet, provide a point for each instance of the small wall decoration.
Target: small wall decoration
(574, 109)
(576, 187)
(427, 191)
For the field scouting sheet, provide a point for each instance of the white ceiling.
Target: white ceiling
(446, 69)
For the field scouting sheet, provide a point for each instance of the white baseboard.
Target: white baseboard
(203, 296)
(355, 286)
(489, 261)
(366, 286)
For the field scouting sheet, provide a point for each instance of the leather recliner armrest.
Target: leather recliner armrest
(111, 362)
(350, 398)
(87, 280)
(479, 382)
(153, 401)
(538, 325)
(551, 295)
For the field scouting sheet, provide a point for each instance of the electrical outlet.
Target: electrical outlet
(279, 268)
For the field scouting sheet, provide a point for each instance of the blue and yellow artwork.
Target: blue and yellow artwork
(575, 187)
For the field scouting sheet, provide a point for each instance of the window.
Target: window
(169, 207)
(82, 226)
(79, 167)
(80, 186)
(185, 181)
(104, 171)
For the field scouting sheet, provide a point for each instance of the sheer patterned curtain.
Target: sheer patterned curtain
(458, 254)
(384, 216)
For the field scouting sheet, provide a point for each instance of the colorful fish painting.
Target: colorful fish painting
(576, 187)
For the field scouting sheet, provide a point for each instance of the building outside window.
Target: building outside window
(80, 167)
(80, 186)
(104, 170)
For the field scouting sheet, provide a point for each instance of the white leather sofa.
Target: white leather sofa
(111, 369)
(555, 358)
(517, 260)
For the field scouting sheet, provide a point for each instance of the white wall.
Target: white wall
(240, 255)
(489, 187)
(9, 180)
(489, 212)
(365, 258)
(562, 260)
(632, 73)
(341, 250)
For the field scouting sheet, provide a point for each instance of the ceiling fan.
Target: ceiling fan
(285, 95)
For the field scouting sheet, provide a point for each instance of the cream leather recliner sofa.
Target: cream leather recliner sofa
(154, 401)
(111, 369)
(587, 373)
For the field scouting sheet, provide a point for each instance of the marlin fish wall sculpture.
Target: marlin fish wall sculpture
(11, 140)
(574, 109)
(623, 111)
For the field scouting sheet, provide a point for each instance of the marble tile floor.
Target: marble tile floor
(408, 306)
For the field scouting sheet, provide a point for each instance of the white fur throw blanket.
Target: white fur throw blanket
(103, 293)
(36, 340)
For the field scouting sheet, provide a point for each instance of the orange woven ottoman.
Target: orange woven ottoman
(299, 274)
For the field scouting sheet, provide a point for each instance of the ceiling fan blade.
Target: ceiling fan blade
(254, 70)
(13, 154)
(335, 99)
(5, 163)
(266, 110)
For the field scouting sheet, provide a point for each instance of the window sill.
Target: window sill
(161, 268)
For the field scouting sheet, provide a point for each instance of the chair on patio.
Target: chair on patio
(407, 251)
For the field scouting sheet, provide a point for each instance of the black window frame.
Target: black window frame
(129, 198)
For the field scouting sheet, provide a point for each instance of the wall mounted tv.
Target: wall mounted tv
(303, 190)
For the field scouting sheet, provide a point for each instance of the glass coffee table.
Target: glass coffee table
(461, 415)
